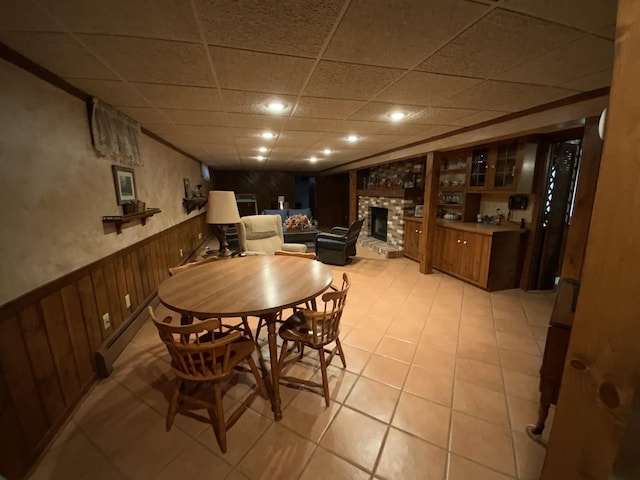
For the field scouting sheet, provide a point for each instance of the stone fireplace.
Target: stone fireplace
(396, 210)
(379, 222)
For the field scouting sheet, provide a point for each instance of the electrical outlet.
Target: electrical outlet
(105, 321)
(199, 235)
(127, 300)
(180, 253)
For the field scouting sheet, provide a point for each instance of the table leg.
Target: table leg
(275, 372)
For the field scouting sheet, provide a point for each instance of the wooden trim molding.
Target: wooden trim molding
(49, 337)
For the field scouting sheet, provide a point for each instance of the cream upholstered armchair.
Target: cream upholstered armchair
(262, 235)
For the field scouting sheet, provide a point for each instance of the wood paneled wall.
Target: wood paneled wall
(332, 200)
(48, 338)
(267, 186)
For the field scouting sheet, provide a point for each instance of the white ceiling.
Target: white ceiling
(199, 73)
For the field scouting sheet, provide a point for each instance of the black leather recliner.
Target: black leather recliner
(336, 247)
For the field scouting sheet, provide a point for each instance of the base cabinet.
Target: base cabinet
(412, 232)
(491, 260)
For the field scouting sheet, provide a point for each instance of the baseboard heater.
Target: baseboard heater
(116, 343)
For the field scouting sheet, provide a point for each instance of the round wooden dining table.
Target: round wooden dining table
(255, 285)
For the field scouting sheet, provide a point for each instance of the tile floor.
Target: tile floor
(441, 380)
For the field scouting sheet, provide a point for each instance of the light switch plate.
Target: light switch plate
(105, 321)
(127, 300)
(199, 235)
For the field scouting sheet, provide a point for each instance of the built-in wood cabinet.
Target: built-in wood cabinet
(412, 232)
(485, 255)
(496, 167)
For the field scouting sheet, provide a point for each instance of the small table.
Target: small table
(300, 236)
(258, 286)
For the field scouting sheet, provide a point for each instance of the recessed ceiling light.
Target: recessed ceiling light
(260, 157)
(327, 151)
(267, 135)
(276, 107)
(353, 138)
(313, 159)
(262, 149)
(397, 116)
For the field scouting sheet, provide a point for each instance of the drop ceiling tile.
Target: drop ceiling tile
(570, 62)
(220, 150)
(260, 72)
(196, 117)
(253, 135)
(326, 107)
(181, 138)
(57, 52)
(354, 82)
(286, 152)
(496, 43)
(438, 116)
(388, 34)
(478, 117)
(505, 96)
(349, 127)
(166, 19)
(584, 14)
(379, 111)
(180, 97)
(154, 61)
(419, 88)
(241, 101)
(292, 138)
(113, 92)
(288, 27)
(312, 124)
(262, 122)
(591, 82)
(145, 116)
(429, 131)
(23, 15)
(407, 129)
(198, 131)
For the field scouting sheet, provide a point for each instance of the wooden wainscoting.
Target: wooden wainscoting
(48, 337)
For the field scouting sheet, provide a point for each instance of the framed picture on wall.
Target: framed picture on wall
(125, 184)
(188, 193)
(419, 211)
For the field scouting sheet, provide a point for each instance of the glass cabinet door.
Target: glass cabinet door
(506, 165)
(479, 165)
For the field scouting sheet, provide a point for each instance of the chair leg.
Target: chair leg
(247, 329)
(325, 380)
(341, 353)
(260, 324)
(221, 429)
(254, 369)
(283, 354)
(173, 403)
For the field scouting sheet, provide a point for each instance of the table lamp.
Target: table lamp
(222, 210)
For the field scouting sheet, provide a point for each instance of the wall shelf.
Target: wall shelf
(190, 204)
(119, 220)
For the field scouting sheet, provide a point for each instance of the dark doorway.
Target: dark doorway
(563, 161)
(305, 193)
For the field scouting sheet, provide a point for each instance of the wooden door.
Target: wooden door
(451, 250)
(332, 200)
(411, 239)
(474, 264)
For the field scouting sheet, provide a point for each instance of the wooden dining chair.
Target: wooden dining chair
(243, 326)
(200, 354)
(308, 304)
(316, 329)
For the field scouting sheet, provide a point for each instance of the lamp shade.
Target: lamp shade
(222, 208)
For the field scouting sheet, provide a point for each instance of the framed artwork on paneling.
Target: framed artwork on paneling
(125, 184)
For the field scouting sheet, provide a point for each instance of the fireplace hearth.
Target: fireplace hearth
(379, 218)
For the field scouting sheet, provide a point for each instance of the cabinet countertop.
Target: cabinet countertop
(482, 228)
(409, 218)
